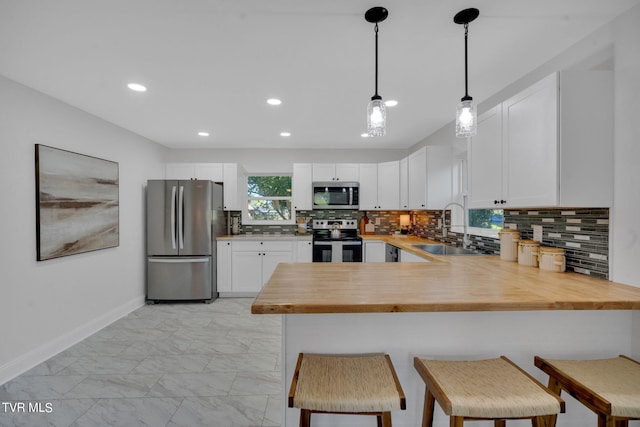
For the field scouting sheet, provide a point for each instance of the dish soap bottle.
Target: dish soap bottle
(363, 224)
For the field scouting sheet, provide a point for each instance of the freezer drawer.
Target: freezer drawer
(179, 278)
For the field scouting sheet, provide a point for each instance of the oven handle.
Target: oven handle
(344, 243)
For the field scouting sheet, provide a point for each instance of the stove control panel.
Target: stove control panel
(328, 224)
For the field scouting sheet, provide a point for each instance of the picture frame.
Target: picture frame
(77, 203)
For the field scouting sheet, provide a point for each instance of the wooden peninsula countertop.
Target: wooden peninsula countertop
(447, 284)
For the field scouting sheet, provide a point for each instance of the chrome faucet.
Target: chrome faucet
(465, 238)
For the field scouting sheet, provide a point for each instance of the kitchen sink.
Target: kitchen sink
(436, 249)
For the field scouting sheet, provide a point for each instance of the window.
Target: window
(491, 219)
(268, 200)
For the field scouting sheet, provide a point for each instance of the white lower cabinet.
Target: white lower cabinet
(304, 251)
(374, 251)
(406, 256)
(244, 266)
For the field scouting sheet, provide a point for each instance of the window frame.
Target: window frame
(246, 219)
(457, 218)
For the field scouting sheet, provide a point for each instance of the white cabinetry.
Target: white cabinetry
(223, 266)
(234, 185)
(374, 251)
(302, 182)
(335, 172)
(253, 262)
(549, 145)
(417, 188)
(380, 186)
(205, 171)
(404, 183)
(304, 251)
(439, 176)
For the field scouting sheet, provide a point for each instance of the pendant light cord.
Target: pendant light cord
(376, 96)
(466, 79)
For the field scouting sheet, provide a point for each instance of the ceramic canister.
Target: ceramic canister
(552, 259)
(528, 252)
(509, 238)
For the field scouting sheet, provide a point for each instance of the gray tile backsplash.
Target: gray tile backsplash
(583, 233)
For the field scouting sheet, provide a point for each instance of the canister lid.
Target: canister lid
(551, 250)
(529, 242)
(509, 230)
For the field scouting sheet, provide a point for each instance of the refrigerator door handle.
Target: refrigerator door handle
(178, 260)
(173, 217)
(181, 217)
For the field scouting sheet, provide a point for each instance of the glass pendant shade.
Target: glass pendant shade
(376, 118)
(466, 119)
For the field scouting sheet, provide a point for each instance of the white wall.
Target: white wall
(282, 160)
(47, 306)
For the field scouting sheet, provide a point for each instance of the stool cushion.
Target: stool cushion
(616, 380)
(346, 383)
(492, 388)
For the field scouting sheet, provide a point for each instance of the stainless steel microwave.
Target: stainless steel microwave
(336, 195)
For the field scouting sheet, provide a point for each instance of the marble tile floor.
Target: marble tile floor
(173, 365)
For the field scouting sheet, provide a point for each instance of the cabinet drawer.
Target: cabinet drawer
(258, 245)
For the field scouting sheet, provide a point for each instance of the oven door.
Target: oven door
(337, 251)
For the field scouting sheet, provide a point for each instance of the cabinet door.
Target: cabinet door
(184, 171)
(223, 266)
(270, 261)
(368, 186)
(418, 179)
(404, 183)
(439, 176)
(304, 251)
(347, 172)
(485, 162)
(389, 185)
(246, 271)
(231, 187)
(301, 186)
(530, 144)
(209, 171)
(374, 251)
(324, 172)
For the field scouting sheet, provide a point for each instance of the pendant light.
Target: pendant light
(466, 113)
(376, 110)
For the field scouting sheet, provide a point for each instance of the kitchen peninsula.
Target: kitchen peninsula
(453, 307)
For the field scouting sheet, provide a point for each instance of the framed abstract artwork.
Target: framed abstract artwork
(77, 203)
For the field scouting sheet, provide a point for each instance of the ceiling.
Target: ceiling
(210, 65)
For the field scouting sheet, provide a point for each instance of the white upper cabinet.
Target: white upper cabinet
(379, 186)
(549, 145)
(439, 176)
(301, 184)
(335, 172)
(417, 168)
(404, 183)
(234, 188)
(205, 171)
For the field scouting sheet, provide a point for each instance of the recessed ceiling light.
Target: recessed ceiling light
(274, 101)
(364, 135)
(285, 133)
(137, 87)
(391, 103)
(203, 133)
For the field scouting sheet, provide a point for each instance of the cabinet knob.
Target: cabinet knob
(503, 202)
(495, 202)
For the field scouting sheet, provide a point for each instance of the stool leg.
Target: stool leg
(499, 423)
(537, 422)
(386, 419)
(456, 421)
(305, 418)
(606, 421)
(429, 404)
(550, 420)
(622, 423)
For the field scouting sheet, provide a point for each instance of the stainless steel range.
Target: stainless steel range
(336, 240)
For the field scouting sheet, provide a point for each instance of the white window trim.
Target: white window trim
(245, 206)
(457, 219)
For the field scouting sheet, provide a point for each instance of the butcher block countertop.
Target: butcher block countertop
(448, 284)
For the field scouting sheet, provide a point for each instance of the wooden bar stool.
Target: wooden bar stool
(609, 387)
(491, 389)
(358, 384)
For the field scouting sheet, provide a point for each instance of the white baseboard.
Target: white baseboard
(47, 350)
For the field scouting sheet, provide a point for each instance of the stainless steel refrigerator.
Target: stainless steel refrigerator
(183, 220)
